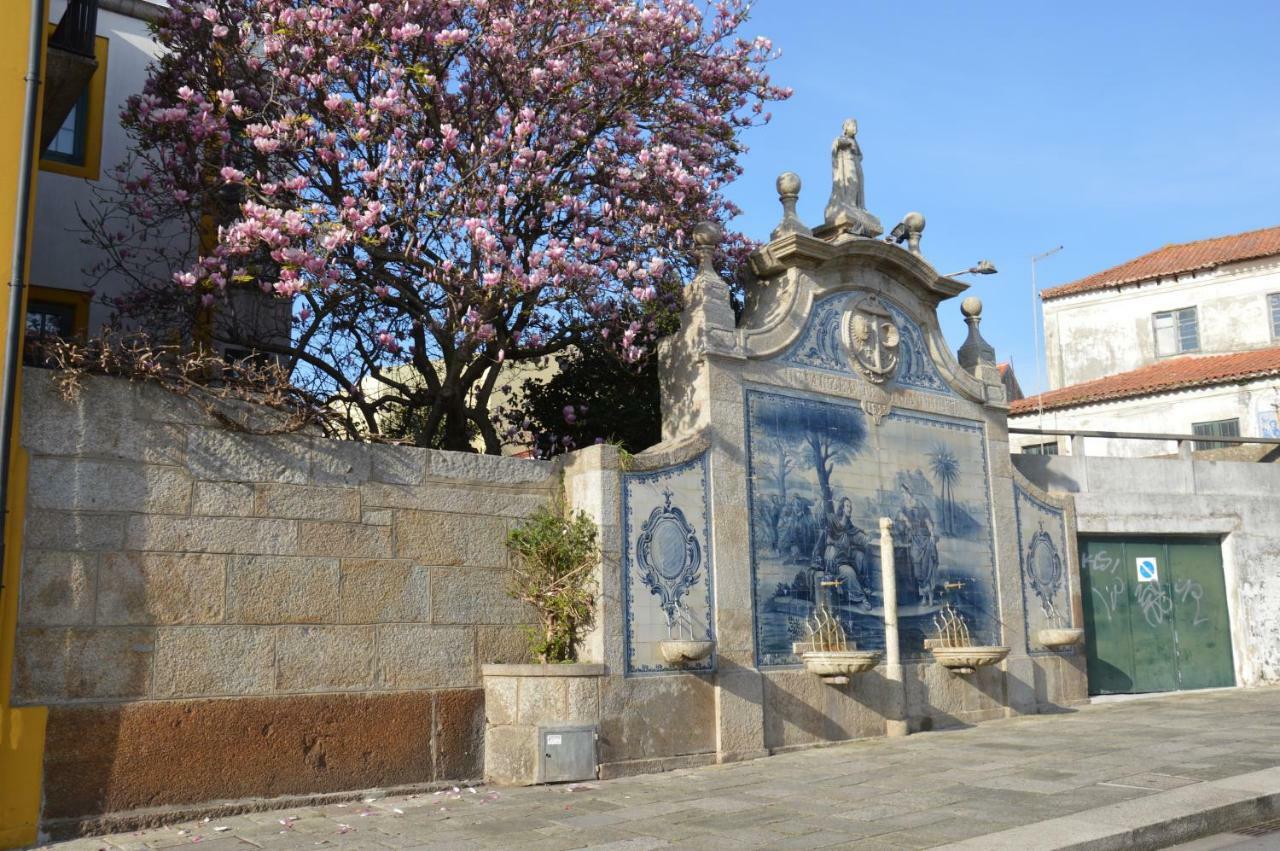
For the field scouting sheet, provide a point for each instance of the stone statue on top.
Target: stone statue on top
(846, 211)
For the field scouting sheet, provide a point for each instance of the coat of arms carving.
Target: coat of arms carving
(874, 339)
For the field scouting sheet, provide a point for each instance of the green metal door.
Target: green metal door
(1200, 615)
(1155, 614)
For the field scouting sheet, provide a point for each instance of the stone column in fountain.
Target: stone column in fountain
(895, 720)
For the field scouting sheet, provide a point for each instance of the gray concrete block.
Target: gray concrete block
(384, 591)
(475, 595)
(161, 588)
(324, 658)
(218, 455)
(58, 588)
(412, 656)
(280, 590)
(211, 534)
(209, 661)
(73, 484)
(59, 665)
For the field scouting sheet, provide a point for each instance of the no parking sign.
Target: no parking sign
(1148, 569)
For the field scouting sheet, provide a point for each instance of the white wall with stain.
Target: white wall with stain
(1234, 501)
(1254, 404)
(1104, 332)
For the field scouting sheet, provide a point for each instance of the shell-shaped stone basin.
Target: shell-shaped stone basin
(683, 651)
(839, 663)
(964, 660)
(1056, 638)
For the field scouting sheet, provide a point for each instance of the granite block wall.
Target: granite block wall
(219, 615)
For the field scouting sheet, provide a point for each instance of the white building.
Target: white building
(89, 144)
(1183, 340)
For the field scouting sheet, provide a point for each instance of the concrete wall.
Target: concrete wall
(1253, 404)
(1233, 500)
(214, 615)
(1095, 334)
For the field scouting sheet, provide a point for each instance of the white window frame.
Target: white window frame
(1177, 331)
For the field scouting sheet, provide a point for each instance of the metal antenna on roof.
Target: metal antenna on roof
(1042, 372)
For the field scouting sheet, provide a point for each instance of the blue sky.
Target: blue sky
(1111, 129)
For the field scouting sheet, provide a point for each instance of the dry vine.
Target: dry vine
(253, 395)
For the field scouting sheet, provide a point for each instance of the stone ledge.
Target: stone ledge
(1153, 821)
(575, 669)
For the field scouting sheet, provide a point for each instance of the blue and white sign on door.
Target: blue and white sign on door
(1148, 570)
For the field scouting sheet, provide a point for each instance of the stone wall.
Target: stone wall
(215, 615)
(1234, 501)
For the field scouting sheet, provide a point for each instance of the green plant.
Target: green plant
(556, 555)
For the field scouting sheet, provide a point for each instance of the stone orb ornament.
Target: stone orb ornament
(971, 307)
(914, 222)
(788, 184)
(707, 234)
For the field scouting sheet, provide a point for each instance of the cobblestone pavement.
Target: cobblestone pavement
(922, 791)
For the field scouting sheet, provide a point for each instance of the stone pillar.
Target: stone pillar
(895, 720)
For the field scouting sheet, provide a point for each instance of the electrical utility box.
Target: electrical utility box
(567, 753)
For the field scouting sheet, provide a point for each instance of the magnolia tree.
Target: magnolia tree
(396, 199)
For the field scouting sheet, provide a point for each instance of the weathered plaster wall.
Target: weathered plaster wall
(1100, 333)
(1253, 403)
(1233, 500)
(214, 615)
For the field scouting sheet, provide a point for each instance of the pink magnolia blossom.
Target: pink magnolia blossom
(444, 186)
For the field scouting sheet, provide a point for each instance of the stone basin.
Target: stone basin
(683, 651)
(1056, 638)
(838, 665)
(964, 660)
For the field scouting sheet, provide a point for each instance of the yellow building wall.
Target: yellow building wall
(21, 729)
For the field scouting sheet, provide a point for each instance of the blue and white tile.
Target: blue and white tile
(929, 473)
(667, 562)
(1042, 564)
(819, 346)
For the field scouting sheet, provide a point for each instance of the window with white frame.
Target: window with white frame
(1177, 331)
(1273, 302)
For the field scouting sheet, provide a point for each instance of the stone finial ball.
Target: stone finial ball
(788, 183)
(914, 222)
(707, 234)
(971, 306)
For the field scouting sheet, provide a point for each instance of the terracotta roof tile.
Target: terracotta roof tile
(1175, 259)
(1162, 377)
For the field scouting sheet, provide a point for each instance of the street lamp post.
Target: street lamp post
(1037, 318)
(982, 267)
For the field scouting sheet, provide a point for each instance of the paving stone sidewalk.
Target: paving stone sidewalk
(923, 791)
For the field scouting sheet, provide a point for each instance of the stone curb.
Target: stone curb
(1154, 821)
(568, 669)
(150, 818)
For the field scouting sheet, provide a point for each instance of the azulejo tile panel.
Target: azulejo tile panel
(819, 345)
(1042, 562)
(820, 475)
(667, 573)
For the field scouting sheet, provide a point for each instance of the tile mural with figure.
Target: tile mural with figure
(821, 475)
(666, 563)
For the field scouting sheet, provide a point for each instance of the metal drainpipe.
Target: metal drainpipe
(17, 274)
